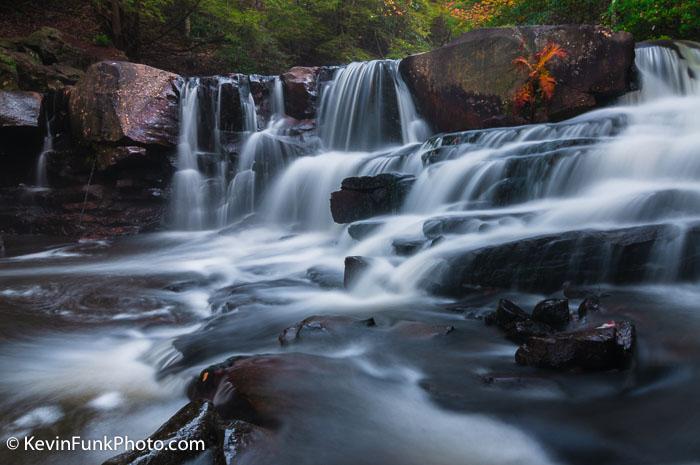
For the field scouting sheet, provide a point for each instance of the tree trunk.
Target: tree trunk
(117, 35)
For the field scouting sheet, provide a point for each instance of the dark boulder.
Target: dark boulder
(300, 91)
(606, 347)
(122, 103)
(470, 83)
(2, 247)
(545, 263)
(552, 312)
(354, 267)
(363, 197)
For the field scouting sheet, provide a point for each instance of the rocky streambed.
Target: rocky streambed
(304, 269)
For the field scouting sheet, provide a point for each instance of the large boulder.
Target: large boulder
(121, 103)
(546, 263)
(363, 197)
(471, 82)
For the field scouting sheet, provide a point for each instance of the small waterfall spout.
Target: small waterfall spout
(42, 177)
(666, 71)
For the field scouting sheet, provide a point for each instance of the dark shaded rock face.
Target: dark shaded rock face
(545, 263)
(354, 267)
(300, 91)
(301, 87)
(122, 103)
(605, 347)
(470, 83)
(363, 197)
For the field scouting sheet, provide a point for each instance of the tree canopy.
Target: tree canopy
(272, 35)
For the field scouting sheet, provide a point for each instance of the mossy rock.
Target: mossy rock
(51, 47)
(9, 79)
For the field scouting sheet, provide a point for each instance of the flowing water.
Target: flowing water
(42, 177)
(102, 337)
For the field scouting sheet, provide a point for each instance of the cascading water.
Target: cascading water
(630, 169)
(367, 106)
(42, 177)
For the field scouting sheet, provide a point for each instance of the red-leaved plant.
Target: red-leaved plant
(540, 82)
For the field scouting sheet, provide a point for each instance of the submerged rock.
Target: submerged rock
(470, 83)
(363, 197)
(354, 267)
(323, 326)
(605, 347)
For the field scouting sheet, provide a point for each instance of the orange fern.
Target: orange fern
(540, 81)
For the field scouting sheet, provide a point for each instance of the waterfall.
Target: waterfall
(666, 71)
(367, 106)
(627, 166)
(42, 177)
(189, 201)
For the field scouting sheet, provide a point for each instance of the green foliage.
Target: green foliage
(102, 40)
(269, 36)
(655, 19)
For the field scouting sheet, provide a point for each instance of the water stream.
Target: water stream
(102, 337)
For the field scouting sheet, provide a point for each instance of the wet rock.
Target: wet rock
(360, 230)
(363, 197)
(231, 297)
(552, 312)
(420, 330)
(19, 109)
(544, 263)
(327, 278)
(265, 389)
(606, 347)
(354, 267)
(300, 91)
(470, 83)
(322, 326)
(521, 331)
(589, 305)
(406, 247)
(196, 421)
(120, 103)
(506, 315)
